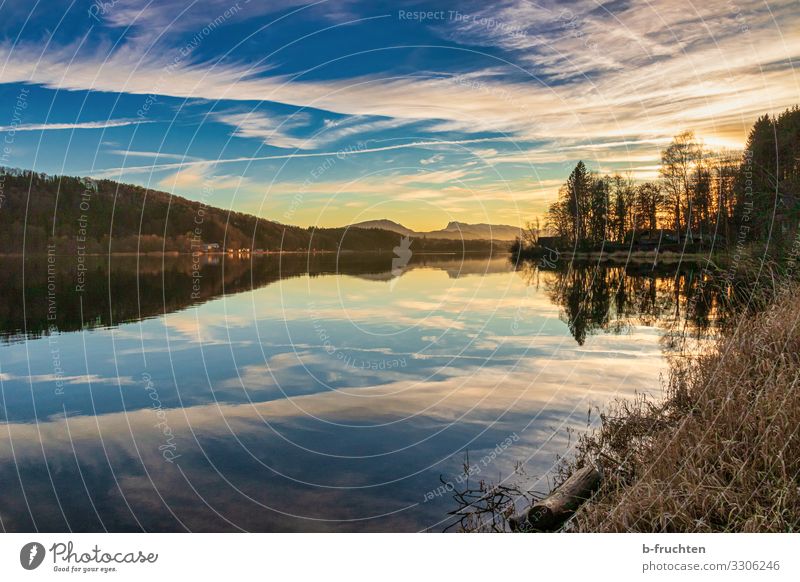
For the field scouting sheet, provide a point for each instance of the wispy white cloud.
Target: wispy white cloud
(432, 160)
(196, 177)
(273, 130)
(580, 79)
(284, 131)
(110, 172)
(154, 155)
(82, 125)
(717, 88)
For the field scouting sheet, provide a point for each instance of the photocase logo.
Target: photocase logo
(31, 555)
(402, 257)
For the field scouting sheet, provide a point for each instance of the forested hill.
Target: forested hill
(85, 214)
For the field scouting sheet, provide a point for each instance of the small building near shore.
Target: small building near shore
(655, 238)
(550, 242)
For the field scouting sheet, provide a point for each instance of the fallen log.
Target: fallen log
(551, 512)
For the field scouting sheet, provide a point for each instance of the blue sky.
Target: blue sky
(334, 112)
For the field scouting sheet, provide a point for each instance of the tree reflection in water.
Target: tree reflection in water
(689, 302)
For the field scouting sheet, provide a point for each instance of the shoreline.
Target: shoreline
(242, 255)
(616, 256)
(719, 453)
(717, 449)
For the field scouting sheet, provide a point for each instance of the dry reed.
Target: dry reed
(721, 453)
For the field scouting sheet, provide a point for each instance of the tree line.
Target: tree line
(701, 197)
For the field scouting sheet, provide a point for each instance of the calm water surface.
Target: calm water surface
(295, 394)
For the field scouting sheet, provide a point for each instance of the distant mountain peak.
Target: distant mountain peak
(453, 230)
(384, 224)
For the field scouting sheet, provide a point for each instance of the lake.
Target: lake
(311, 393)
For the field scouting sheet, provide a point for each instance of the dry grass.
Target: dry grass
(721, 453)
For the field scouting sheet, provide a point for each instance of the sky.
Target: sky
(338, 111)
